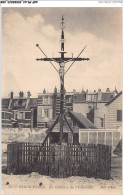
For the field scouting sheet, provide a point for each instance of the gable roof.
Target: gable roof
(82, 120)
(107, 96)
(33, 102)
(81, 97)
(114, 98)
(5, 102)
(18, 103)
(78, 98)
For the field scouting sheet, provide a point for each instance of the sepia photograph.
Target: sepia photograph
(61, 110)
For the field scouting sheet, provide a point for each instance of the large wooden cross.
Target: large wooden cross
(62, 60)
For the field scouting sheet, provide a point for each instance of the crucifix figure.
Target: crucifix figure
(61, 61)
(61, 72)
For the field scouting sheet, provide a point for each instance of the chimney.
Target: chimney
(11, 94)
(83, 90)
(21, 94)
(99, 94)
(107, 90)
(55, 90)
(44, 91)
(87, 95)
(115, 91)
(28, 94)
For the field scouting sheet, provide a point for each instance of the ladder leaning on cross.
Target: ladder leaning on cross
(62, 61)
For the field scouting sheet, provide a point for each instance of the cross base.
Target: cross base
(49, 130)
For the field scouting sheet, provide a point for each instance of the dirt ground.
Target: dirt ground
(35, 183)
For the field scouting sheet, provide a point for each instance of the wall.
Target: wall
(6, 119)
(23, 118)
(40, 112)
(111, 118)
(100, 112)
(80, 108)
(34, 135)
(44, 109)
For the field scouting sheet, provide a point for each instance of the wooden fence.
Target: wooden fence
(60, 161)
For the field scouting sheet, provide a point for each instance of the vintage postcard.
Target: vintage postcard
(61, 110)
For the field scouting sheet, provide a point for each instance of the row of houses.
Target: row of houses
(102, 109)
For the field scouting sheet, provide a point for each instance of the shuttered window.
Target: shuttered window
(119, 115)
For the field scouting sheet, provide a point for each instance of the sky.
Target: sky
(98, 28)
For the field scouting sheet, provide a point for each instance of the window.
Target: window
(15, 115)
(102, 122)
(19, 102)
(119, 115)
(27, 115)
(40, 100)
(92, 137)
(68, 99)
(7, 115)
(21, 115)
(89, 97)
(101, 137)
(46, 113)
(16, 103)
(2, 115)
(45, 100)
